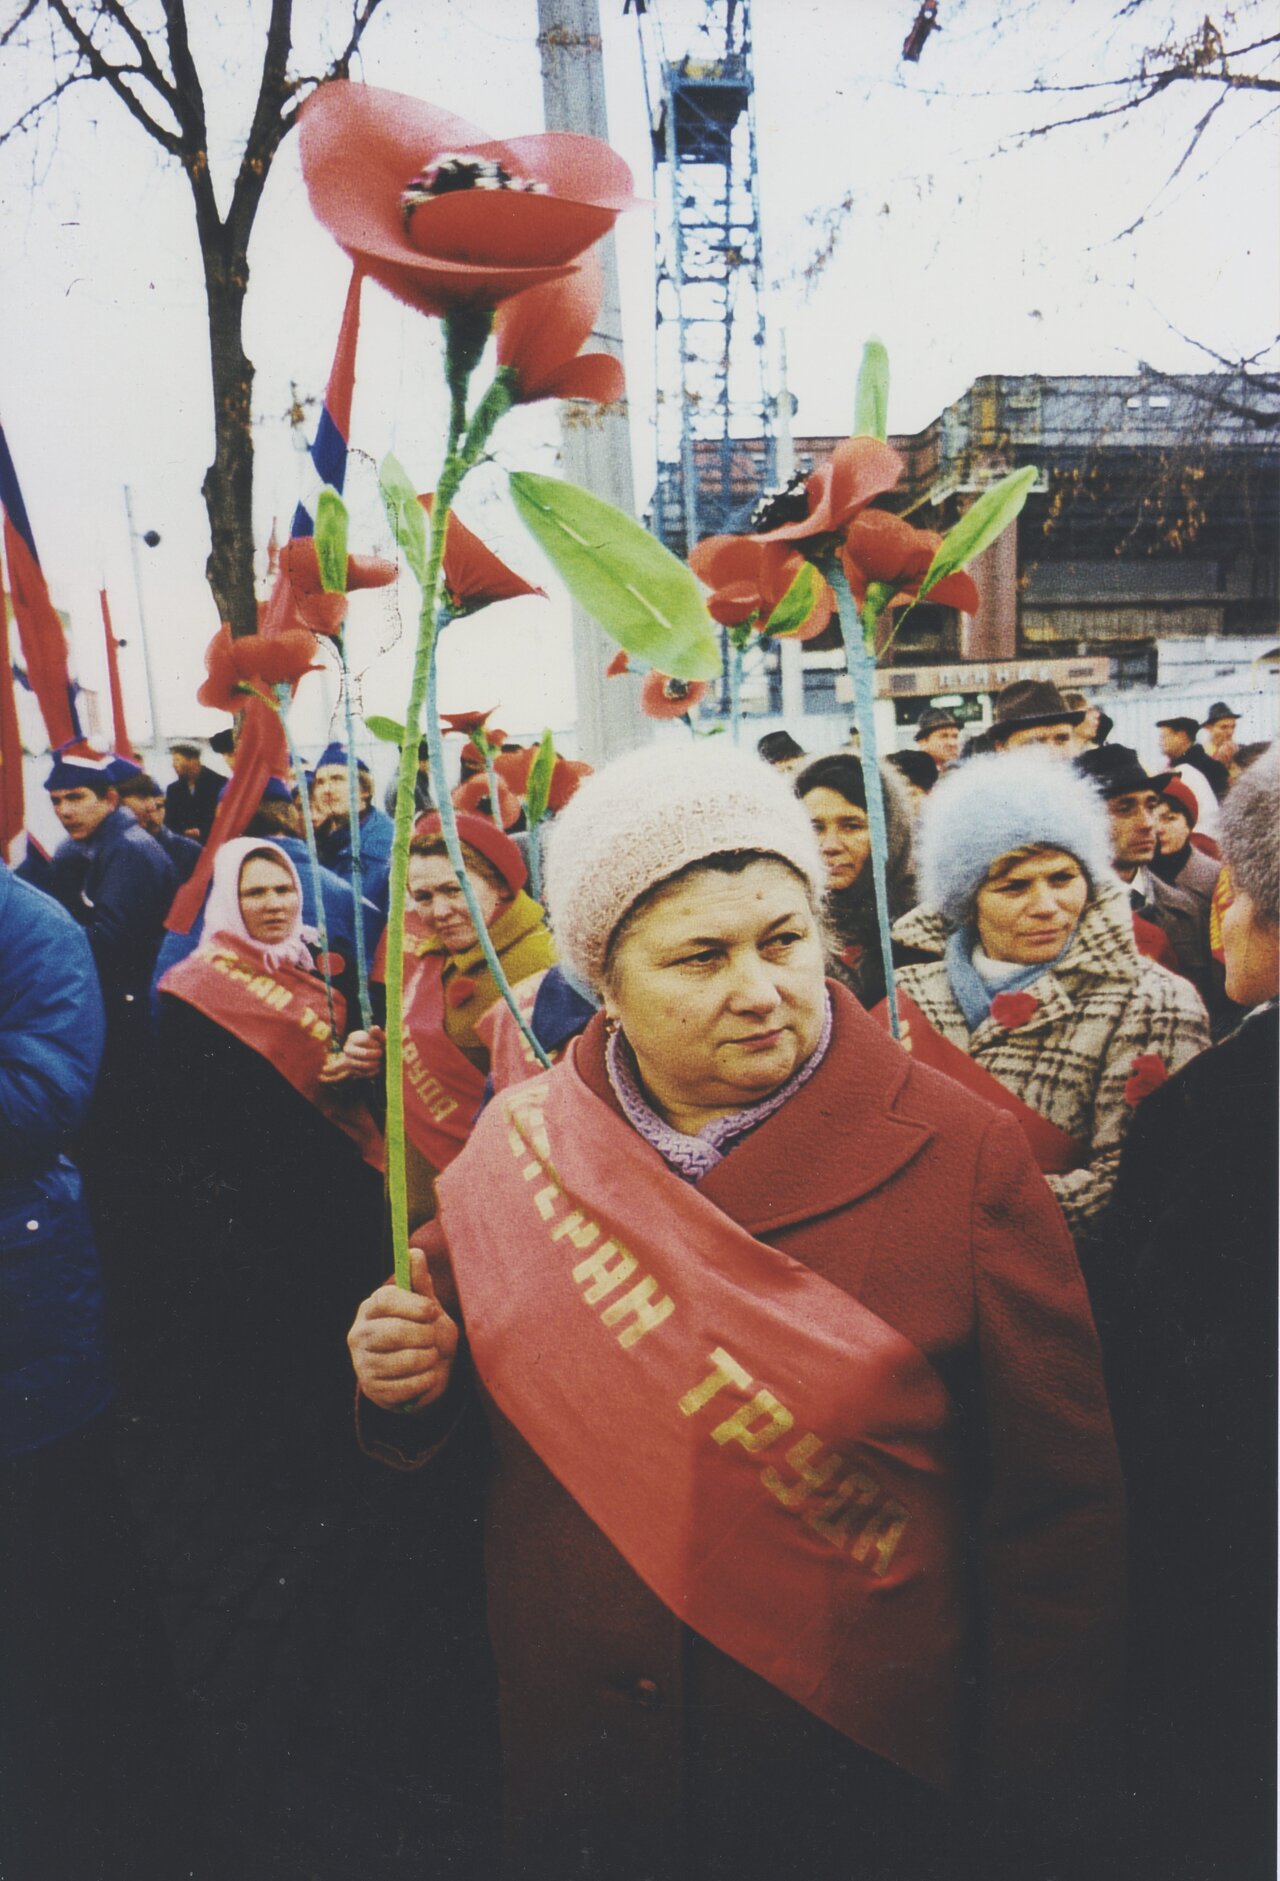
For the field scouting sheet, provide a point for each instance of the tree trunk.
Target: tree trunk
(228, 482)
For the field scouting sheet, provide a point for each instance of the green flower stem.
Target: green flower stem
(492, 778)
(282, 701)
(861, 664)
(353, 817)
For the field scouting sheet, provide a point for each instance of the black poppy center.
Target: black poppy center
(776, 507)
(450, 173)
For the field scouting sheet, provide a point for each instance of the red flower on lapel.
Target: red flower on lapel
(459, 991)
(1010, 1010)
(1146, 1074)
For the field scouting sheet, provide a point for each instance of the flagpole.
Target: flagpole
(152, 715)
(120, 734)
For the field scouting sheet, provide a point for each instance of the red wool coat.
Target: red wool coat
(631, 1747)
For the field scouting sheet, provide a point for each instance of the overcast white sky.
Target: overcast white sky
(968, 253)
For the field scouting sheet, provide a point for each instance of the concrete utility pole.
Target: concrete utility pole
(597, 452)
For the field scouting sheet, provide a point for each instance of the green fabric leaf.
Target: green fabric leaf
(539, 786)
(331, 541)
(871, 402)
(387, 730)
(796, 605)
(405, 514)
(978, 528)
(644, 598)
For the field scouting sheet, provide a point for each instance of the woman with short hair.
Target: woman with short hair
(834, 793)
(804, 1508)
(1030, 988)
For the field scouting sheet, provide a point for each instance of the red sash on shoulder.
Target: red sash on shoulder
(1056, 1152)
(769, 1457)
(511, 1057)
(283, 1016)
(443, 1090)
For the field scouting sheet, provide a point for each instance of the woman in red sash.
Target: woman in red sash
(449, 988)
(804, 1513)
(1030, 990)
(269, 1141)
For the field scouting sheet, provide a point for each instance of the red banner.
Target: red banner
(119, 730)
(281, 1015)
(443, 1090)
(511, 1057)
(1056, 1152)
(12, 800)
(770, 1458)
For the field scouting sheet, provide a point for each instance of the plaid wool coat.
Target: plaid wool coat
(1073, 1059)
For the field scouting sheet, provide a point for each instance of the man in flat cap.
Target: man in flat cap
(1033, 712)
(191, 801)
(1178, 743)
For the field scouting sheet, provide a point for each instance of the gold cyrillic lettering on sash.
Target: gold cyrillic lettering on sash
(725, 1371)
(581, 1232)
(836, 1519)
(545, 1200)
(604, 1278)
(738, 1428)
(638, 1305)
(809, 1476)
(882, 1535)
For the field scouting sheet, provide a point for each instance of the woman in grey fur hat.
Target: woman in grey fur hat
(1030, 985)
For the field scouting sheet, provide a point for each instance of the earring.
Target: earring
(610, 1025)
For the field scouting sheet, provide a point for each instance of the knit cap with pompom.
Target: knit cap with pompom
(993, 805)
(650, 814)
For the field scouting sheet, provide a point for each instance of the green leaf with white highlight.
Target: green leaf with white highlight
(405, 514)
(978, 528)
(331, 541)
(538, 790)
(644, 598)
(387, 731)
(796, 605)
(871, 402)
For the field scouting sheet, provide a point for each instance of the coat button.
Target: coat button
(32, 1226)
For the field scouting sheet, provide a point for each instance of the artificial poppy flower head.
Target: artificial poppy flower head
(473, 796)
(254, 663)
(748, 577)
(540, 334)
(826, 502)
(662, 697)
(513, 768)
(473, 575)
(881, 547)
(442, 216)
(299, 576)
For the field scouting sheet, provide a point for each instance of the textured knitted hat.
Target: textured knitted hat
(649, 815)
(996, 804)
(1251, 834)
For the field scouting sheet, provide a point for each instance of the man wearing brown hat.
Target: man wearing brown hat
(1178, 743)
(1034, 712)
(1219, 727)
(938, 736)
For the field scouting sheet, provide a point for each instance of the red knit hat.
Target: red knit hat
(1183, 799)
(487, 840)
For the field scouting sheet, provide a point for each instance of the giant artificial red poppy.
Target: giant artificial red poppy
(748, 577)
(441, 215)
(880, 546)
(540, 332)
(465, 722)
(826, 502)
(513, 768)
(661, 697)
(473, 796)
(255, 662)
(299, 578)
(473, 575)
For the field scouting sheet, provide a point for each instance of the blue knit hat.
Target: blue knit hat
(337, 754)
(992, 805)
(73, 770)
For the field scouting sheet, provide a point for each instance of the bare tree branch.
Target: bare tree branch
(138, 40)
(34, 112)
(114, 76)
(21, 20)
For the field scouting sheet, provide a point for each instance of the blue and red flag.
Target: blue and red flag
(44, 645)
(328, 451)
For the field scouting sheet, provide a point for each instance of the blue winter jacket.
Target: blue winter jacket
(53, 1369)
(377, 833)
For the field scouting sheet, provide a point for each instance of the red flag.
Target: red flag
(12, 803)
(120, 735)
(44, 645)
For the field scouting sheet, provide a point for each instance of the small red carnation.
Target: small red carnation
(1010, 1010)
(459, 991)
(620, 663)
(1146, 1074)
(330, 965)
(852, 955)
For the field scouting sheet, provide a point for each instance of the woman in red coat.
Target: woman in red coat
(804, 1515)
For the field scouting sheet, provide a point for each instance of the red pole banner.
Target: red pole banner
(120, 736)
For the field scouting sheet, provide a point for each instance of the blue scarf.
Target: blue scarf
(972, 993)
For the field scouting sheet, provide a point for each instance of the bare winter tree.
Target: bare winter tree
(151, 70)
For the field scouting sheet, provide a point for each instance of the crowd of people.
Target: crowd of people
(972, 1290)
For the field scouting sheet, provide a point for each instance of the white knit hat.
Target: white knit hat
(647, 816)
(992, 805)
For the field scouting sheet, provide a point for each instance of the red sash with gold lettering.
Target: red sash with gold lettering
(511, 1057)
(443, 1090)
(283, 1016)
(769, 1457)
(1056, 1151)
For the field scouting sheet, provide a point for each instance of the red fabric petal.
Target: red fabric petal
(620, 663)
(663, 697)
(857, 471)
(1011, 1010)
(459, 991)
(463, 721)
(473, 575)
(473, 796)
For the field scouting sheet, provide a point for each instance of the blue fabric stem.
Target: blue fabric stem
(357, 867)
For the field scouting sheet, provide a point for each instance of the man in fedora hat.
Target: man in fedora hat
(938, 736)
(1220, 743)
(1178, 743)
(1033, 712)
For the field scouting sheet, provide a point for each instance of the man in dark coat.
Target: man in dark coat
(1184, 1286)
(191, 801)
(142, 796)
(1178, 743)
